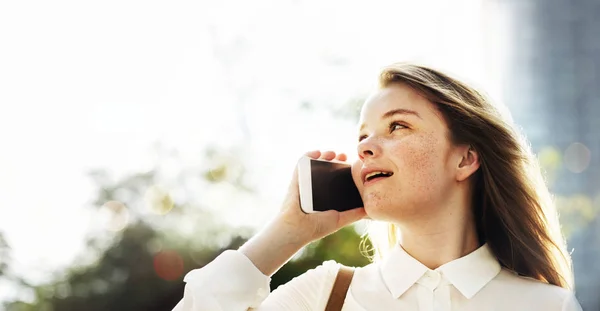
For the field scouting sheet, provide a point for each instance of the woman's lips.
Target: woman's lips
(374, 180)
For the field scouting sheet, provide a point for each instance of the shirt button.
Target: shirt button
(434, 278)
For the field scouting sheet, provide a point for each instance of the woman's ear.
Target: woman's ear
(469, 163)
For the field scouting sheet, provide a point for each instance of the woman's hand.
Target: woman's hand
(292, 229)
(313, 226)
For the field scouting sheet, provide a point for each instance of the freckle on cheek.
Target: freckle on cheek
(423, 159)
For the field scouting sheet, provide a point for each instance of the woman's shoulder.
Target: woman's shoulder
(326, 270)
(508, 277)
(533, 289)
(310, 289)
(316, 279)
(323, 276)
(329, 269)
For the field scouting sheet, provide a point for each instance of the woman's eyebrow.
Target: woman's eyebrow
(394, 112)
(400, 111)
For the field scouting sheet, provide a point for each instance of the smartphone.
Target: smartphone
(326, 185)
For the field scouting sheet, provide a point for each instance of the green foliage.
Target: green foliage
(141, 265)
(342, 247)
(127, 276)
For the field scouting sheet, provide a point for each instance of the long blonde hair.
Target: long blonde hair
(514, 211)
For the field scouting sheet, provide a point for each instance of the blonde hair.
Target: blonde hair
(514, 211)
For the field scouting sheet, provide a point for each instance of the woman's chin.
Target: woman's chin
(373, 211)
(380, 211)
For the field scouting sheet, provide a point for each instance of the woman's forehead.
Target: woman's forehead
(394, 97)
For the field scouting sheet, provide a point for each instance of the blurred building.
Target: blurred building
(553, 90)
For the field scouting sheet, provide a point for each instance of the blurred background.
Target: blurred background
(139, 139)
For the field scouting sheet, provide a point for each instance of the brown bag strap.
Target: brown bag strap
(340, 288)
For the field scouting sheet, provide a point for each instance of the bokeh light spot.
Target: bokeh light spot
(154, 246)
(584, 206)
(576, 212)
(168, 265)
(158, 200)
(577, 157)
(596, 204)
(113, 215)
(550, 158)
(217, 173)
(200, 256)
(550, 163)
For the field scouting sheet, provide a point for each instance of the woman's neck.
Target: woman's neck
(438, 241)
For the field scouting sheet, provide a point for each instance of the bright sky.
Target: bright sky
(94, 84)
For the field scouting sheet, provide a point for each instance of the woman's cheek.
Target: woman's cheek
(421, 162)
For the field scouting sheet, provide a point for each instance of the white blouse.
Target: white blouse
(474, 282)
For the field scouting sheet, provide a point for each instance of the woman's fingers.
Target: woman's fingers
(316, 225)
(328, 155)
(341, 157)
(341, 219)
(315, 154)
(351, 216)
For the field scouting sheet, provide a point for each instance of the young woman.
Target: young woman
(471, 222)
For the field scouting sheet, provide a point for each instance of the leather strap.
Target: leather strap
(340, 288)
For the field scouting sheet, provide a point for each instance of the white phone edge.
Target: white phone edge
(305, 184)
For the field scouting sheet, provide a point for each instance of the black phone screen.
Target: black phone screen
(333, 187)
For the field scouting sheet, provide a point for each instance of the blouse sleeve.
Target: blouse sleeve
(231, 282)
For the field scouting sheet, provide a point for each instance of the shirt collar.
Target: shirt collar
(468, 274)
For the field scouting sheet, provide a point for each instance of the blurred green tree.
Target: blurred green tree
(138, 260)
(342, 246)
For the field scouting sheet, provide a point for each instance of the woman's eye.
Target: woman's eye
(396, 126)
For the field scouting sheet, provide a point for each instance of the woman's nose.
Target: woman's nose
(368, 148)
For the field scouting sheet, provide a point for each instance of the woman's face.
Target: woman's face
(404, 136)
